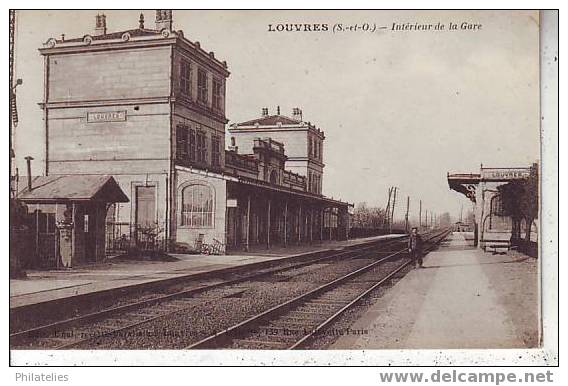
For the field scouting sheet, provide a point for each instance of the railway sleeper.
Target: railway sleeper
(328, 301)
(258, 344)
(266, 334)
(290, 326)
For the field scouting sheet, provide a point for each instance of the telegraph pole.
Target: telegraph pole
(387, 211)
(406, 215)
(420, 216)
(393, 206)
(13, 112)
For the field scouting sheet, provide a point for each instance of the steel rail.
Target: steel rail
(229, 334)
(168, 313)
(348, 306)
(36, 332)
(213, 340)
(302, 342)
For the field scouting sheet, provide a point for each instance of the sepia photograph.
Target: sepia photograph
(225, 182)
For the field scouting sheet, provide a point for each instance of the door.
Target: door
(46, 243)
(145, 213)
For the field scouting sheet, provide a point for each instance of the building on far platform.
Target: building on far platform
(303, 141)
(147, 107)
(282, 158)
(493, 227)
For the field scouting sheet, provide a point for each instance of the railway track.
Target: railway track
(79, 331)
(294, 323)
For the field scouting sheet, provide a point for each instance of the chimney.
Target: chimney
(265, 111)
(297, 113)
(141, 21)
(277, 110)
(100, 25)
(29, 162)
(164, 19)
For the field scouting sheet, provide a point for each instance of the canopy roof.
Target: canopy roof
(70, 188)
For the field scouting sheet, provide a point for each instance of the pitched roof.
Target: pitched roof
(59, 188)
(115, 35)
(271, 120)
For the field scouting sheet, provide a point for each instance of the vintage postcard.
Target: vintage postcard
(242, 181)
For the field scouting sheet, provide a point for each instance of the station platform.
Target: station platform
(45, 286)
(463, 298)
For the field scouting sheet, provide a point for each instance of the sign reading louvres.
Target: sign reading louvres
(106, 116)
(505, 174)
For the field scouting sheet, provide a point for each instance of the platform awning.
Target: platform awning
(70, 188)
(267, 187)
(464, 183)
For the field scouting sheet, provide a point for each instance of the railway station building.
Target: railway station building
(147, 107)
(493, 227)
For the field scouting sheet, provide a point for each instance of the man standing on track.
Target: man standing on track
(415, 248)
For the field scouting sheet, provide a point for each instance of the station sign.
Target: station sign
(505, 174)
(106, 116)
(231, 203)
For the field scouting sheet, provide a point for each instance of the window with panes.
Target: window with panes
(202, 85)
(192, 150)
(197, 207)
(215, 150)
(181, 141)
(217, 94)
(201, 146)
(185, 78)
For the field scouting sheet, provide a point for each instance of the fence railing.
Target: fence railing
(240, 161)
(123, 237)
(294, 178)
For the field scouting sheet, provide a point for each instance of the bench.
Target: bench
(495, 244)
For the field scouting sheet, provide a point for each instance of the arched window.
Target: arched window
(197, 207)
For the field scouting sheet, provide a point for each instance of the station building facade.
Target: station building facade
(147, 106)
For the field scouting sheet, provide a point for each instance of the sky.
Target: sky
(399, 108)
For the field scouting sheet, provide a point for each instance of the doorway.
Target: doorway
(145, 217)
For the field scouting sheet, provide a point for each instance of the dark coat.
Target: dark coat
(415, 242)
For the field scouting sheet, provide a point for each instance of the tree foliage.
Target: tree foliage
(368, 217)
(520, 201)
